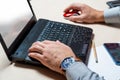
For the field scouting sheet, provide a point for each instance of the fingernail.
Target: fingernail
(29, 54)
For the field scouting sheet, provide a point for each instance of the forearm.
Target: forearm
(78, 71)
(112, 15)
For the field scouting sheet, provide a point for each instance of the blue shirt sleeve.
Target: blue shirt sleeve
(79, 71)
(112, 15)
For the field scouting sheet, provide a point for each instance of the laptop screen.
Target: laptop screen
(14, 16)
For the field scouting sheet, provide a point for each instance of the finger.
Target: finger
(39, 44)
(36, 56)
(67, 9)
(75, 6)
(48, 42)
(36, 48)
(77, 18)
(58, 41)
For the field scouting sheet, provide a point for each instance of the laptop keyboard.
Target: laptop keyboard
(77, 37)
(56, 31)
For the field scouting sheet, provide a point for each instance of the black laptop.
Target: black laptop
(25, 29)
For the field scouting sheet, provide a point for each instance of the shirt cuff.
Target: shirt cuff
(112, 15)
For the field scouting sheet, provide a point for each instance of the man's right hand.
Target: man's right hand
(87, 14)
(51, 53)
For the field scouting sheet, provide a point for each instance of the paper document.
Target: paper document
(105, 66)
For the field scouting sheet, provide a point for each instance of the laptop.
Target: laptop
(23, 29)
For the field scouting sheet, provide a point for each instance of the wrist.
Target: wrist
(67, 62)
(100, 16)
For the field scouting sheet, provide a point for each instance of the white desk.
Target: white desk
(53, 10)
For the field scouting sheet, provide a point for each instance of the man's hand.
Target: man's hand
(51, 53)
(87, 14)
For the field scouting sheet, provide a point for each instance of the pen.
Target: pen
(95, 52)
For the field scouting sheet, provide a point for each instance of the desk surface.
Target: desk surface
(53, 10)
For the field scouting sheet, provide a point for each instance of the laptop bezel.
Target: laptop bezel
(9, 51)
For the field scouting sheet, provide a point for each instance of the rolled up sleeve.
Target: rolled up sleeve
(112, 15)
(79, 71)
